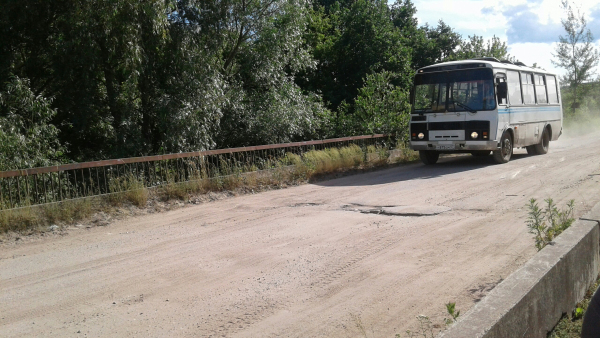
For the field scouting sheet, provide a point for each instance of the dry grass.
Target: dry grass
(34, 218)
(332, 159)
(19, 220)
(130, 190)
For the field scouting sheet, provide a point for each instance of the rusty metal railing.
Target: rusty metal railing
(19, 188)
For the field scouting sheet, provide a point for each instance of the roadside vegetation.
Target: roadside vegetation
(426, 327)
(546, 224)
(289, 170)
(570, 325)
(549, 222)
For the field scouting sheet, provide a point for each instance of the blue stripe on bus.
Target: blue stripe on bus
(527, 110)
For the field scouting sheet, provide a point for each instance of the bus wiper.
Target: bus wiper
(464, 106)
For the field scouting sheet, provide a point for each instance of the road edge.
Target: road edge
(531, 301)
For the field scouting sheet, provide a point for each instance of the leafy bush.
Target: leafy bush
(381, 107)
(548, 223)
(27, 137)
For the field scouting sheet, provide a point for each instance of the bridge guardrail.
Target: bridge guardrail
(34, 186)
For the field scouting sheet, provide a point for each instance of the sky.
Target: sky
(529, 27)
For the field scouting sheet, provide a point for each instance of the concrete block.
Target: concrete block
(530, 301)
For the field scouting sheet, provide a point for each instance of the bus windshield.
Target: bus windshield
(459, 90)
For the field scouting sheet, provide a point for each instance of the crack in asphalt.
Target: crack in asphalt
(397, 210)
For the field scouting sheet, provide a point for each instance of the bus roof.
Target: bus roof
(481, 62)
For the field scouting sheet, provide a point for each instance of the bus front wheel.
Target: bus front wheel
(504, 154)
(429, 157)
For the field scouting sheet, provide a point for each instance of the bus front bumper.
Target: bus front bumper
(454, 146)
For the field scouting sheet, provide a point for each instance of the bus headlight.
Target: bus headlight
(421, 136)
(474, 134)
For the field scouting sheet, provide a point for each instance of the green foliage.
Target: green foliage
(587, 96)
(268, 51)
(128, 188)
(476, 47)
(27, 136)
(570, 325)
(451, 309)
(349, 42)
(549, 222)
(381, 107)
(433, 44)
(331, 159)
(575, 52)
(578, 313)
(126, 77)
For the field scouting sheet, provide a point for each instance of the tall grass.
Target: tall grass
(35, 217)
(130, 190)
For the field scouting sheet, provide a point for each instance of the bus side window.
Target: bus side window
(502, 90)
(528, 91)
(514, 88)
(540, 89)
(552, 91)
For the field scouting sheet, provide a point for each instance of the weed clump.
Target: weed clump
(570, 325)
(18, 219)
(128, 188)
(549, 222)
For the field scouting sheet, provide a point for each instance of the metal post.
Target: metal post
(27, 189)
(45, 191)
(18, 190)
(60, 195)
(52, 186)
(75, 182)
(1, 195)
(68, 190)
(98, 181)
(105, 181)
(10, 195)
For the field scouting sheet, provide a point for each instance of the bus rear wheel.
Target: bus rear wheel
(429, 157)
(542, 147)
(531, 150)
(504, 154)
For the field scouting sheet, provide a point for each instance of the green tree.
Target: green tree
(477, 47)
(259, 51)
(439, 45)
(127, 78)
(349, 42)
(575, 52)
(27, 137)
(429, 44)
(382, 107)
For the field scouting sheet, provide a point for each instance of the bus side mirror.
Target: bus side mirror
(502, 91)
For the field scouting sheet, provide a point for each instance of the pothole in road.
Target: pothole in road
(305, 205)
(398, 210)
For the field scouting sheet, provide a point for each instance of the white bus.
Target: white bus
(484, 106)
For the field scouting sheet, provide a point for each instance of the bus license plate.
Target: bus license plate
(445, 147)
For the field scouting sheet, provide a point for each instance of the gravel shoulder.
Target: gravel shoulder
(358, 256)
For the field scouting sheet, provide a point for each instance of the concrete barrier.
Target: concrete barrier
(531, 301)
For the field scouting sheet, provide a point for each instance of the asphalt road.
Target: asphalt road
(358, 256)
